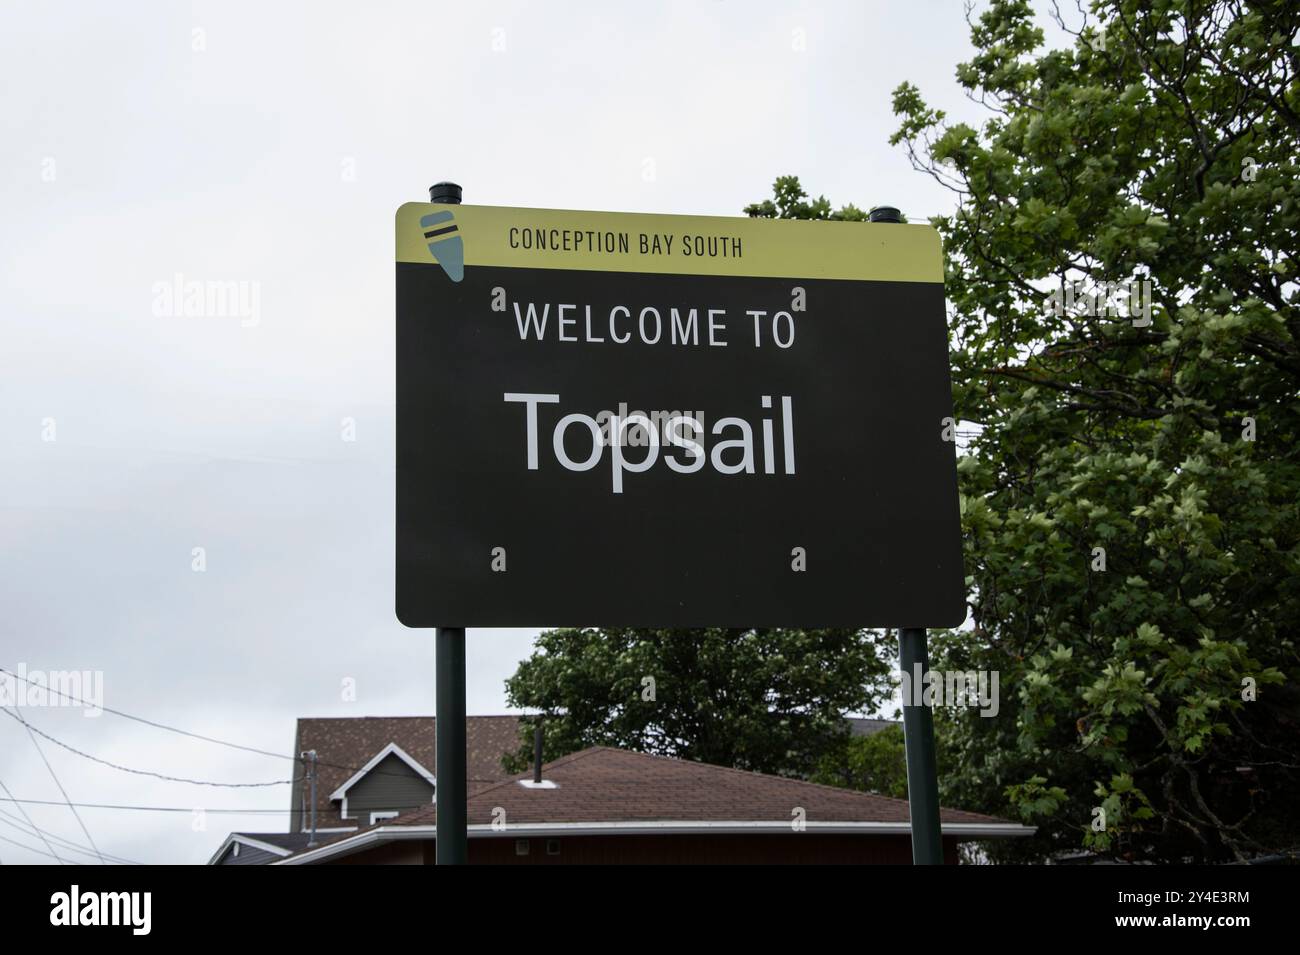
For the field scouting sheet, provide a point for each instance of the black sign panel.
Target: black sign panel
(750, 426)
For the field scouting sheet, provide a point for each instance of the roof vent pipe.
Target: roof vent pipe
(537, 753)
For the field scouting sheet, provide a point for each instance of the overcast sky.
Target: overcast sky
(269, 145)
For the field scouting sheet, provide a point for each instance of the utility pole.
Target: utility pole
(309, 761)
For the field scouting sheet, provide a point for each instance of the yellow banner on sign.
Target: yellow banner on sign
(459, 236)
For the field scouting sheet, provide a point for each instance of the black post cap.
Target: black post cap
(445, 192)
(884, 214)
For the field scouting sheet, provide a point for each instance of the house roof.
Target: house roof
(611, 790)
(607, 784)
(864, 726)
(346, 744)
(281, 840)
(275, 843)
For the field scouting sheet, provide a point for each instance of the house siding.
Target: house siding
(389, 786)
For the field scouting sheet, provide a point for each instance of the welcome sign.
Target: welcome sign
(672, 421)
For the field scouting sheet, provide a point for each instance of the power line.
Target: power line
(9, 819)
(198, 736)
(55, 777)
(141, 719)
(102, 805)
(145, 772)
(66, 844)
(23, 845)
(29, 820)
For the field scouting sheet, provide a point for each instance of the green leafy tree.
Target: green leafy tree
(1132, 542)
(875, 763)
(1131, 494)
(765, 700)
(789, 201)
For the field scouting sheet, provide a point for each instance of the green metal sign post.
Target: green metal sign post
(918, 741)
(918, 721)
(453, 844)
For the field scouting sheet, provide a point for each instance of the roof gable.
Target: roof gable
(392, 749)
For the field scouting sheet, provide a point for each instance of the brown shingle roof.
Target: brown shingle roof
(345, 744)
(602, 784)
(606, 785)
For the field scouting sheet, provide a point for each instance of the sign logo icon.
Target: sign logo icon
(445, 243)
